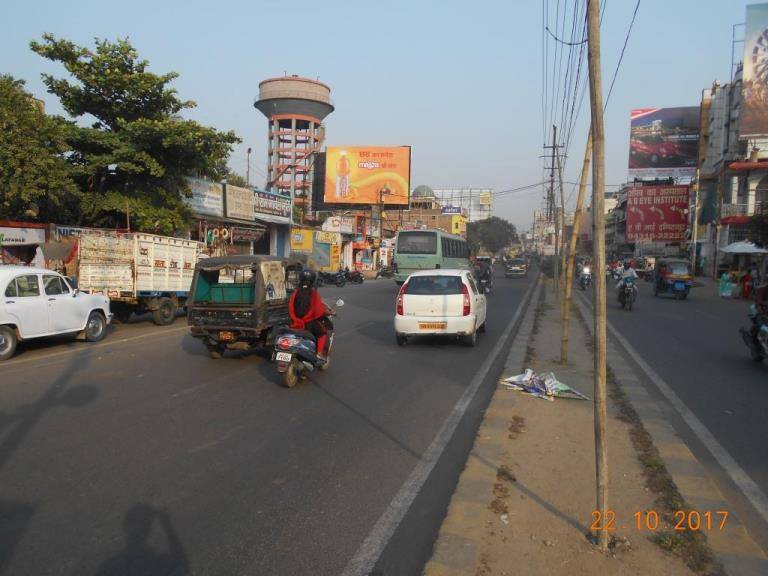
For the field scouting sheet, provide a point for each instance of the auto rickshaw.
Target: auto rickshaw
(673, 276)
(237, 302)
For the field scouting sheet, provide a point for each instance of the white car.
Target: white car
(440, 301)
(35, 302)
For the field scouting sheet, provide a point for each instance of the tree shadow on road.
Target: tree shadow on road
(140, 556)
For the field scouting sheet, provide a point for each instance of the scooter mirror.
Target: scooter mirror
(339, 303)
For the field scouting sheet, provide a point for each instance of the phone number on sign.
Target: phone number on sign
(651, 520)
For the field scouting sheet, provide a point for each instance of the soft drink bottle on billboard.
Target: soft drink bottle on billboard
(342, 175)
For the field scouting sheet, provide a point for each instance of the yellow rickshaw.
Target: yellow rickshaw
(673, 276)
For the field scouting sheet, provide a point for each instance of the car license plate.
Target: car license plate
(225, 335)
(283, 356)
(432, 325)
(679, 285)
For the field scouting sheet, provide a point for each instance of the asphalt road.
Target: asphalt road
(695, 346)
(141, 455)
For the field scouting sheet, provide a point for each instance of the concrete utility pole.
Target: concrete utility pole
(598, 261)
(695, 224)
(566, 320)
(552, 206)
(561, 219)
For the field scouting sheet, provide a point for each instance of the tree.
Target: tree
(493, 234)
(35, 179)
(236, 179)
(138, 151)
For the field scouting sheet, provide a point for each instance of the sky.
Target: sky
(459, 81)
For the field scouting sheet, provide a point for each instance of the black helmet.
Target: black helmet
(307, 278)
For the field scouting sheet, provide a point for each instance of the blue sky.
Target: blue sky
(458, 81)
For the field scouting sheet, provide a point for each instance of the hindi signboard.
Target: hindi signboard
(657, 213)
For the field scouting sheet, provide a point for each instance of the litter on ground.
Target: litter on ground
(545, 386)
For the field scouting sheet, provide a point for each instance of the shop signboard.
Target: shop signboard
(451, 210)
(324, 237)
(240, 205)
(272, 207)
(301, 240)
(657, 213)
(367, 175)
(12, 236)
(205, 198)
(246, 234)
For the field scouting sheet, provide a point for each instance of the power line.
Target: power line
(621, 56)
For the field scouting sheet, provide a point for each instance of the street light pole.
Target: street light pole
(248, 167)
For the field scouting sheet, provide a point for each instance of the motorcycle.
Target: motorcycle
(354, 276)
(386, 272)
(296, 351)
(585, 280)
(627, 293)
(756, 336)
(486, 285)
(337, 278)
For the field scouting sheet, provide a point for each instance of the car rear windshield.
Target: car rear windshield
(417, 243)
(516, 262)
(434, 285)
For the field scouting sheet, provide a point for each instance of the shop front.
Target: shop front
(345, 226)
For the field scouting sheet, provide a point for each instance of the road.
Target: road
(695, 346)
(141, 455)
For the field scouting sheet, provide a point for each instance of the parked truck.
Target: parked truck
(138, 272)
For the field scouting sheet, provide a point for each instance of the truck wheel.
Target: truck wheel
(165, 313)
(96, 328)
(8, 342)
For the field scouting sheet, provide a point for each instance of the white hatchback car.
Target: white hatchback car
(440, 301)
(35, 302)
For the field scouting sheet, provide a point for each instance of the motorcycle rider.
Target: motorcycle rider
(483, 271)
(307, 310)
(627, 273)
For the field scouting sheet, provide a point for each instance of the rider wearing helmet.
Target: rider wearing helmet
(307, 309)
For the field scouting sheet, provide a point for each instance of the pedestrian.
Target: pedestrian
(746, 286)
(725, 285)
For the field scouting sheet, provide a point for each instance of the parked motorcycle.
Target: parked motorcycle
(585, 280)
(386, 272)
(756, 336)
(296, 351)
(627, 293)
(337, 278)
(354, 276)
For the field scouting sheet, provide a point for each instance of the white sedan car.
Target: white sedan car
(35, 302)
(440, 301)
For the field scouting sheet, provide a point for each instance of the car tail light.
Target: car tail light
(403, 291)
(465, 294)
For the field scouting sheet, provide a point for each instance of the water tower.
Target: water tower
(296, 108)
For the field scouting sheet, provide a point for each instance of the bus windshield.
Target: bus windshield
(417, 243)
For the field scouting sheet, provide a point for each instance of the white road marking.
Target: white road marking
(370, 550)
(738, 476)
(86, 348)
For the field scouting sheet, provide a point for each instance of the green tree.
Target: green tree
(236, 179)
(493, 234)
(35, 179)
(138, 149)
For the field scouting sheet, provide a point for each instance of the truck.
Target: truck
(138, 272)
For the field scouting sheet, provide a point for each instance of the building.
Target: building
(543, 235)
(295, 108)
(477, 202)
(733, 180)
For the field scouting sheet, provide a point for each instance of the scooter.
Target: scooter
(627, 293)
(756, 336)
(585, 280)
(296, 351)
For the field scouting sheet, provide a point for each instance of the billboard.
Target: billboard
(657, 213)
(754, 104)
(205, 198)
(367, 175)
(664, 142)
(239, 204)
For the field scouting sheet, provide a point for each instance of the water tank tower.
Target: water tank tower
(296, 108)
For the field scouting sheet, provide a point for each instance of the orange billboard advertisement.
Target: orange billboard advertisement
(367, 175)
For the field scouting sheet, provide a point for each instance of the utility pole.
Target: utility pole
(566, 320)
(552, 206)
(598, 261)
(695, 224)
(561, 219)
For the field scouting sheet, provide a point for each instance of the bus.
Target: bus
(426, 249)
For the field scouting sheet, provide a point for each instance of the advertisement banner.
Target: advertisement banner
(451, 210)
(664, 142)
(272, 207)
(301, 240)
(335, 257)
(754, 103)
(205, 198)
(323, 237)
(239, 203)
(21, 236)
(657, 213)
(367, 175)
(485, 198)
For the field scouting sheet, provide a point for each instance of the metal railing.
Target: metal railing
(303, 94)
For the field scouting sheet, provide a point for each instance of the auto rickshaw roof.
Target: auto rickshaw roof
(673, 261)
(245, 261)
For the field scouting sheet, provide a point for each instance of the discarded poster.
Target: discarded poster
(545, 386)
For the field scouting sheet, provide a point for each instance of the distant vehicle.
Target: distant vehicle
(428, 250)
(440, 302)
(35, 303)
(138, 272)
(516, 268)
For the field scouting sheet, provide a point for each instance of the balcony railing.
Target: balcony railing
(742, 209)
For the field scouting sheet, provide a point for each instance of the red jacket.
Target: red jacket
(316, 310)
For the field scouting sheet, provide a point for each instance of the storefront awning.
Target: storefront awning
(748, 166)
